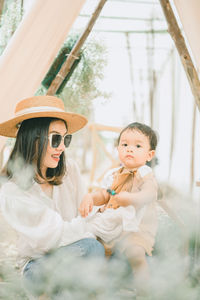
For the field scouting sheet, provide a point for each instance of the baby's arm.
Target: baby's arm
(147, 194)
(147, 191)
(96, 198)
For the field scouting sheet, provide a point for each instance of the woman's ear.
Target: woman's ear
(151, 155)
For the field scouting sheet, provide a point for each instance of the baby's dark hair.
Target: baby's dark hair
(146, 130)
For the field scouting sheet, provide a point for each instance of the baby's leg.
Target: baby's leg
(137, 258)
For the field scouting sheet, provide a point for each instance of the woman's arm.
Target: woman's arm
(40, 226)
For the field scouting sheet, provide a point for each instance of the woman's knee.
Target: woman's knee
(93, 247)
(83, 248)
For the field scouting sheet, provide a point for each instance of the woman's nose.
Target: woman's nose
(61, 147)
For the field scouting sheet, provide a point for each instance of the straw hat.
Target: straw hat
(41, 106)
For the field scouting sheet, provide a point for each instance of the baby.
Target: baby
(128, 198)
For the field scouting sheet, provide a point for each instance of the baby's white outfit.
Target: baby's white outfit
(109, 224)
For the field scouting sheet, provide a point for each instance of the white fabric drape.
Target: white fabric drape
(188, 12)
(32, 49)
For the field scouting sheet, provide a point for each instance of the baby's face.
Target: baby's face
(134, 149)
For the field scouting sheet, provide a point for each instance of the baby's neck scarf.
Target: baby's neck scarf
(123, 181)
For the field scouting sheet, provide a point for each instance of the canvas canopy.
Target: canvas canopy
(32, 49)
(188, 12)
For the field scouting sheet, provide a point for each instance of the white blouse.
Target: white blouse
(44, 223)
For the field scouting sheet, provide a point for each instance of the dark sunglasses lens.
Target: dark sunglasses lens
(67, 140)
(56, 140)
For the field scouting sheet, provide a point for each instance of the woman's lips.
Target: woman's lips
(56, 157)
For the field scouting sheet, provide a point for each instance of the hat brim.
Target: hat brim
(74, 122)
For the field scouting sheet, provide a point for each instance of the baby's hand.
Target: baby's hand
(112, 203)
(86, 205)
(102, 209)
(122, 199)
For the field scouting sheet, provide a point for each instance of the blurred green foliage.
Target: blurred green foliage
(10, 19)
(82, 84)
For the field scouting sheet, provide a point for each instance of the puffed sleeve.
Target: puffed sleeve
(40, 226)
(147, 188)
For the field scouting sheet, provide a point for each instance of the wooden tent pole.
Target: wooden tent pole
(179, 41)
(74, 52)
(173, 117)
(100, 127)
(192, 162)
(151, 71)
(131, 72)
(94, 154)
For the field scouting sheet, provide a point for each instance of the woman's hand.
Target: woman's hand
(86, 205)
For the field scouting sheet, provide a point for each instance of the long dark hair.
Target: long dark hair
(30, 147)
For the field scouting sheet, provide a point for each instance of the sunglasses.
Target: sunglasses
(55, 139)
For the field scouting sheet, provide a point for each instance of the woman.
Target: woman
(42, 193)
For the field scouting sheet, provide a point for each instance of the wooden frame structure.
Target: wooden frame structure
(96, 143)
